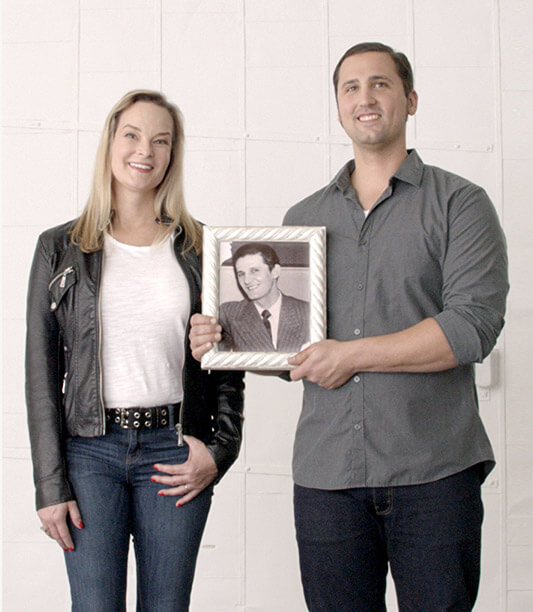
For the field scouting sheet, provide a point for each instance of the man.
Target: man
(390, 451)
(266, 320)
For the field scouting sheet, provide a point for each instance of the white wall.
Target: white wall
(253, 80)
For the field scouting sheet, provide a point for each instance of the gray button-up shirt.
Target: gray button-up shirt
(432, 246)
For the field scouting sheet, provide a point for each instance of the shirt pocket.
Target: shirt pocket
(60, 285)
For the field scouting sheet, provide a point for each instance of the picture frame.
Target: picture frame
(300, 277)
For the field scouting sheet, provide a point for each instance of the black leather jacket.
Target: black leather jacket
(63, 368)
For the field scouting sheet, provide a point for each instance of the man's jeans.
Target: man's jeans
(110, 476)
(430, 535)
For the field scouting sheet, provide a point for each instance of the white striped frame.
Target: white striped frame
(212, 238)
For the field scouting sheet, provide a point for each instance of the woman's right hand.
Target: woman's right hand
(204, 332)
(54, 522)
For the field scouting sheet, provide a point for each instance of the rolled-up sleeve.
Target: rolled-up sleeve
(475, 279)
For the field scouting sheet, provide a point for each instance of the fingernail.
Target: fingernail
(161, 493)
(81, 525)
(155, 467)
(179, 505)
(70, 549)
(153, 479)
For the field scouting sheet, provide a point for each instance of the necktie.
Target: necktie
(265, 315)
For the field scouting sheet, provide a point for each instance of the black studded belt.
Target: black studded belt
(144, 418)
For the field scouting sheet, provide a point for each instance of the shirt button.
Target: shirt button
(356, 379)
(360, 286)
(357, 331)
(357, 426)
(362, 242)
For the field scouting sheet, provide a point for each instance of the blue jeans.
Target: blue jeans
(110, 477)
(429, 534)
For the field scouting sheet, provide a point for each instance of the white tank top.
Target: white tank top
(144, 309)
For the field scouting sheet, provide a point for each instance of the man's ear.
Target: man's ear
(412, 102)
(276, 271)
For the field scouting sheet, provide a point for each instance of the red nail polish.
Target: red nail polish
(153, 479)
(179, 505)
(155, 467)
(161, 493)
(81, 525)
(70, 549)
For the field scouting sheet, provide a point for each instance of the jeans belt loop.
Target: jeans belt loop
(171, 419)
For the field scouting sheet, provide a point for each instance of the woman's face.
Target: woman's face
(141, 148)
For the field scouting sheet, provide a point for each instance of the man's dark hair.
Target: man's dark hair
(270, 257)
(403, 67)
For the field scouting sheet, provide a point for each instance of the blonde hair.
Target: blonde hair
(169, 206)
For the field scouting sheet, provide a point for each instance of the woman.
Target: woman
(128, 434)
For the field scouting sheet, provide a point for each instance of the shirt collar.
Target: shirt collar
(274, 310)
(343, 178)
(410, 171)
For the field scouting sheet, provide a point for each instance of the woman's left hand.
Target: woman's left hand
(188, 479)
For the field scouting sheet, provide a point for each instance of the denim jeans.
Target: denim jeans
(110, 477)
(429, 534)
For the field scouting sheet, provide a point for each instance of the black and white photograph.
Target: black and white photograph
(266, 318)
(261, 291)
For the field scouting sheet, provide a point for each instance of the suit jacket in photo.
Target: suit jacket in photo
(244, 330)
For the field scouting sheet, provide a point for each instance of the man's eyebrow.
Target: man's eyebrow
(380, 77)
(374, 77)
(349, 82)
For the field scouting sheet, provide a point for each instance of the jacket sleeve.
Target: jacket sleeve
(224, 446)
(475, 281)
(43, 387)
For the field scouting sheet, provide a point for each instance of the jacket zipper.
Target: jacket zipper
(179, 428)
(63, 276)
(179, 425)
(64, 386)
(99, 324)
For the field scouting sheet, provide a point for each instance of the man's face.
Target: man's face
(372, 104)
(255, 277)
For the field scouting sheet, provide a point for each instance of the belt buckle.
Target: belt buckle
(124, 421)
